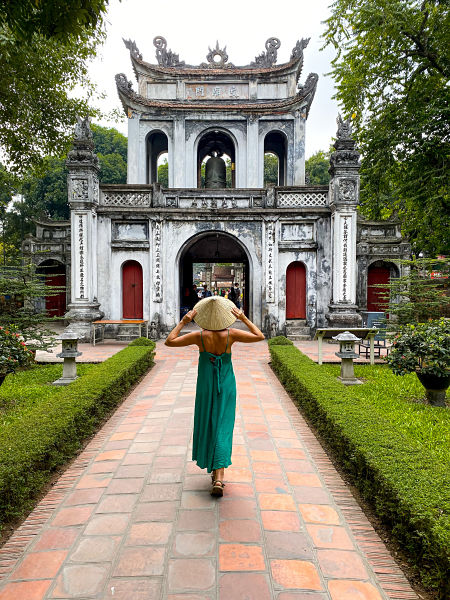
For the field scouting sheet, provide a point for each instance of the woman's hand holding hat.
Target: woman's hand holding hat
(238, 313)
(188, 317)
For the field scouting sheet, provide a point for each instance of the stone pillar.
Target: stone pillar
(252, 180)
(176, 161)
(83, 186)
(299, 150)
(344, 198)
(134, 157)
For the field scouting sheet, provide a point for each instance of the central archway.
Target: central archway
(220, 253)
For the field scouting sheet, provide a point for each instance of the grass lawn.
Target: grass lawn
(27, 387)
(395, 448)
(42, 426)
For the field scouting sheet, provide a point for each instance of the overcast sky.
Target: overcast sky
(243, 26)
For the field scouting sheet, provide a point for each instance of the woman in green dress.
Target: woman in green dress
(215, 399)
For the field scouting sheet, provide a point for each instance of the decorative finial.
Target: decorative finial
(134, 50)
(213, 63)
(297, 50)
(83, 131)
(268, 58)
(344, 131)
(166, 58)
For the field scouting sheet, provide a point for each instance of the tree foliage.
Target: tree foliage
(391, 70)
(422, 293)
(45, 46)
(316, 167)
(270, 169)
(44, 195)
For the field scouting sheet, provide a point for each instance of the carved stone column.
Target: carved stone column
(344, 198)
(83, 186)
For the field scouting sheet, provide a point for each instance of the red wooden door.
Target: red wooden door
(56, 305)
(132, 290)
(376, 301)
(296, 291)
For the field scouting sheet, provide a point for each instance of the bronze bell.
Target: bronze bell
(215, 172)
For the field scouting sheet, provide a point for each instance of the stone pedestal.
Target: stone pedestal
(343, 315)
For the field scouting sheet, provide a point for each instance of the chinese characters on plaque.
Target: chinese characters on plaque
(214, 91)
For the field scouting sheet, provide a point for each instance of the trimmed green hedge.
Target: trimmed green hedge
(280, 340)
(142, 341)
(38, 435)
(395, 448)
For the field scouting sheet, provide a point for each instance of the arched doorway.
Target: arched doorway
(378, 278)
(275, 144)
(157, 148)
(216, 140)
(55, 276)
(217, 259)
(132, 297)
(296, 291)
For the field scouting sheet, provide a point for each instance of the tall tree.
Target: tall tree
(391, 70)
(44, 195)
(316, 167)
(45, 46)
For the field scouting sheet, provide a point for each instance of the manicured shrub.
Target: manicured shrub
(142, 341)
(395, 448)
(38, 435)
(280, 340)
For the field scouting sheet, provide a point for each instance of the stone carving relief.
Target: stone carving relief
(166, 58)
(347, 190)
(80, 189)
(269, 57)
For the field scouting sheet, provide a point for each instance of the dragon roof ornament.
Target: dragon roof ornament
(134, 50)
(217, 58)
(269, 58)
(297, 50)
(166, 58)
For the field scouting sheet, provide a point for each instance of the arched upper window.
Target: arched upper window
(275, 146)
(217, 144)
(157, 150)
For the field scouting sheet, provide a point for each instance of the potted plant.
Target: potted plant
(13, 352)
(424, 349)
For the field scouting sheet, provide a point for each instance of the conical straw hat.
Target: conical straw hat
(214, 313)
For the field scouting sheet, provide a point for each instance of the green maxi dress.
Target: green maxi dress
(215, 408)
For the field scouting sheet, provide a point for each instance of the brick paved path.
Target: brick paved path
(132, 518)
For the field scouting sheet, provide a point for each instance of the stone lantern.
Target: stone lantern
(347, 354)
(69, 341)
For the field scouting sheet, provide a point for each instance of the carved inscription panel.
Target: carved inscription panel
(216, 91)
(300, 232)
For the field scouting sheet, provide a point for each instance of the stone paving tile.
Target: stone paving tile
(134, 519)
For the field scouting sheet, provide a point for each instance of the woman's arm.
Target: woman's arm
(247, 337)
(185, 340)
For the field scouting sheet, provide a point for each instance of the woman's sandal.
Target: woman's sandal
(217, 489)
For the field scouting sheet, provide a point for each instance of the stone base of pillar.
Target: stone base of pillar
(343, 315)
(80, 318)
